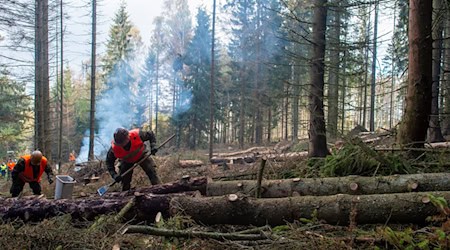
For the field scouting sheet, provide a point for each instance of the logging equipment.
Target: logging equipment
(102, 190)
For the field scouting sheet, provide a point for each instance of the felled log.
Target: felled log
(287, 156)
(241, 159)
(190, 163)
(335, 209)
(252, 157)
(438, 145)
(253, 150)
(31, 209)
(334, 185)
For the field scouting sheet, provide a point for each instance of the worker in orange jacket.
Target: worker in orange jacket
(72, 156)
(29, 169)
(11, 165)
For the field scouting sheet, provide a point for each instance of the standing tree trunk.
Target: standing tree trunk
(93, 66)
(446, 78)
(42, 92)
(317, 131)
(413, 129)
(61, 103)
(211, 93)
(295, 101)
(374, 68)
(333, 80)
(434, 130)
(241, 115)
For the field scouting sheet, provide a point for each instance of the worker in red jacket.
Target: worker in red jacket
(129, 148)
(29, 169)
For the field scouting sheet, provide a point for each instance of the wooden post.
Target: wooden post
(260, 175)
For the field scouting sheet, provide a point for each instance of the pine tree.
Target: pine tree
(198, 61)
(119, 46)
(14, 112)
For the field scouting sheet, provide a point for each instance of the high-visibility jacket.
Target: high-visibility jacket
(3, 167)
(136, 149)
(27, 174)
(11, 165)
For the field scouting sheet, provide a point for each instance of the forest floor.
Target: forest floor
(64, 233)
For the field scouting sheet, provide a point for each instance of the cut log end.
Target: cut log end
(413, 185)
(295, 194)
(158, 217)
(354, 186)
(426, 199)
(296, 180)
(138, 194)
(233, 197)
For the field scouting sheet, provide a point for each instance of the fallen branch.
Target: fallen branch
(192, 234)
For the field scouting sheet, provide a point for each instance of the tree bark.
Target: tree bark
(335, 209)
(413, 129)
(250, 158)
(374, 68)
(317, 131)
(333, 79)
(334, 185)
(93, 79)
(434, 129)
(190, 163)
(34, 209)
(42, 99)
(235, 209)
(446, 78)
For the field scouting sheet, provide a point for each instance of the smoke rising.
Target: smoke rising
(114, 108)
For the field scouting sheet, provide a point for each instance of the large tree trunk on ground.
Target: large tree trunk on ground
(336, 209)
(35, 209)
(232, 209)
(334, 185)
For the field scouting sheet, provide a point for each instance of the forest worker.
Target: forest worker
(11, 165)
(72, 156)
(129, 148)
(3, 169)
(29, 169)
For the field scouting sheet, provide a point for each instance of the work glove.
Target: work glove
(117, 178)
(153, 151)
(50, 178)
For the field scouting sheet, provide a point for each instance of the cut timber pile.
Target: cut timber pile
(239, 210)
(253, 154)
(250, 157)
(234, 206)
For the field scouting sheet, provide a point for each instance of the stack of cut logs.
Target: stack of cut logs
(341, 200)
